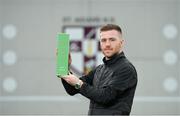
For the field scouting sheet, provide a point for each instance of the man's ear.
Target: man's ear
(122, 42)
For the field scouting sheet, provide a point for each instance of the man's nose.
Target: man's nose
(108, 43)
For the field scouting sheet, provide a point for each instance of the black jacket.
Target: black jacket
(110, 87)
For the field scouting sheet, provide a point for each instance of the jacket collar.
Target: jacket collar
(113, 59)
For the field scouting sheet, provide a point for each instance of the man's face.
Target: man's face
(111, 42)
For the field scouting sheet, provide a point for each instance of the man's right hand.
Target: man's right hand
(69, 60)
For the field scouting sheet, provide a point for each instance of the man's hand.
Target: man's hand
(72, 79)
(69, 60)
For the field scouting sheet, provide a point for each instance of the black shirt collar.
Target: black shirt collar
(113, 59)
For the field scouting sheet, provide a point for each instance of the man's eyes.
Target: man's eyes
(103, 40)
(110, 39)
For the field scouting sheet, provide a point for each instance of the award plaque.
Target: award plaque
(62, 54)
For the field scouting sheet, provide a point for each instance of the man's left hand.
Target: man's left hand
(71, 79)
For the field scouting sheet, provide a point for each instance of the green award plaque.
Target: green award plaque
(62, 54)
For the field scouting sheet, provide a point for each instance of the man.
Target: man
(110, 86)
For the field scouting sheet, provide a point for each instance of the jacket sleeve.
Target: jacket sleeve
(121, 81)
(69, 88)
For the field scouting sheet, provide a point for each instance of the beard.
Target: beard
(108, 57)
